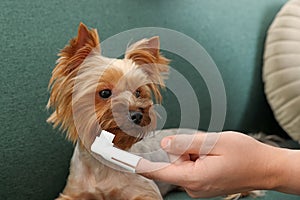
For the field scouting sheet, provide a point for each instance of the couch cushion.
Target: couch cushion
(282, 68)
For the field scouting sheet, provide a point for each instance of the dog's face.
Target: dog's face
(90, 93)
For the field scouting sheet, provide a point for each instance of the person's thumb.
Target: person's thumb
(183, 144)
(201, 144)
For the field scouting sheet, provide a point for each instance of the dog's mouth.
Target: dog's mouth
(128, 127)
(125, 139)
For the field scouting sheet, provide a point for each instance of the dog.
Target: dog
(90, 93)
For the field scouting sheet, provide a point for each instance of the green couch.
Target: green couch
(35, 158)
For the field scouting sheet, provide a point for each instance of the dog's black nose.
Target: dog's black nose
(136, 117)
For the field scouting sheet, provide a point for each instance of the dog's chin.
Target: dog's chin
(124, 139)
(127, 133)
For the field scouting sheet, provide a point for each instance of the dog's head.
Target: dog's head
(89, 92)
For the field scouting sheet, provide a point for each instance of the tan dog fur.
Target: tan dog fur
(80, 75)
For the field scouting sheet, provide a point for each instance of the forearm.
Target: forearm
(289, 172)
(280, 171)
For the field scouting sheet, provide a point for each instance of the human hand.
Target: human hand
(236, 163)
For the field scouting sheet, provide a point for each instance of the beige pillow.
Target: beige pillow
(281, 71)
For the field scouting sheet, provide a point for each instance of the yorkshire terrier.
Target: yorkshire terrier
(90, 93)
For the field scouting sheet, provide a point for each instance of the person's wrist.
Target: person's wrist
(288, 173)
(275, 167)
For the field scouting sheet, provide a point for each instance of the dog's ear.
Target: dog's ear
(73, 54)
(146, 54)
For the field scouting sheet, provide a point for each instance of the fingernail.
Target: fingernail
(165, 143)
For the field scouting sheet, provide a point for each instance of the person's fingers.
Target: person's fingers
(190, 144)
(194, 194)
(145, 166)
(175, 159)
(166, 172)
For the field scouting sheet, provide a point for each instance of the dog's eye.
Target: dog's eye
(105, 93)
(137, 93)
